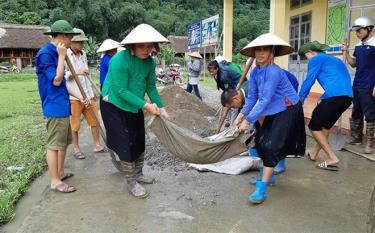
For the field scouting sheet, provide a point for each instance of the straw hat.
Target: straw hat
(268, 39)
(195, 54)
(80, 37)
(144, 33)
(107, 45)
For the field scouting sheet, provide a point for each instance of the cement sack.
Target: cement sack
(192, 148)
(232, 166)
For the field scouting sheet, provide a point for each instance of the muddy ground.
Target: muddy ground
(304, 199)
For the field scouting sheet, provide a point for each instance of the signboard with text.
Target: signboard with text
(194, 36)
(210, 31)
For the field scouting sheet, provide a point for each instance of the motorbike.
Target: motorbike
(172, 76)
(12, 68)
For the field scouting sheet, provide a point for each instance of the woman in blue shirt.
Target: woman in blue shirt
(334, 77)
(273, 105)
(109, 48)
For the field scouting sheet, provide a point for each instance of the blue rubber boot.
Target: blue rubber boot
(280, 167)
(253, 152)
(254, 180)
(259, 195)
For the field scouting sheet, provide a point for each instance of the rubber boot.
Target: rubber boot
(259, 194)
(370, 130)
(139, 171)
(280, 167)
(356, 129)
(133, 186)
(253, 152)
(254, 180)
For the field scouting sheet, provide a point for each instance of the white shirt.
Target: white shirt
(79, 62)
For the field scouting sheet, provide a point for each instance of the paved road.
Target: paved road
(305, 199)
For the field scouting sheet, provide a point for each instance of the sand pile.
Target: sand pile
(187, 111)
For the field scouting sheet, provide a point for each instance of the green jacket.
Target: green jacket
(128, 79)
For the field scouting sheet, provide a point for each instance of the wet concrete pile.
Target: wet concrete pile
(187, 111)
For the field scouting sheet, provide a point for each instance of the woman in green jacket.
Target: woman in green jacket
(131, 75)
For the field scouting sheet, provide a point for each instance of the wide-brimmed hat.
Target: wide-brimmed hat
(268, 39)
(144, 33)
(61, 27)
(107, 45)
(312, 46)
(195, 54)
(80, 37)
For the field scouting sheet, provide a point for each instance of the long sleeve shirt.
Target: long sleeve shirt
(227, 78)
(331, 74)
(104, 63)
(269, 88)
(79, 62)
(194, 67)
(129, 78)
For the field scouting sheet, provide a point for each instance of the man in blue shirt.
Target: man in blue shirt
(334, 78)
(54, 97)
(108, 48)
(364, 82)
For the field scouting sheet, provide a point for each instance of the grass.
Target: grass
(22, 139)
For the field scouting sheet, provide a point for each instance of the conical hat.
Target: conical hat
(144, 33)
(107, 45)
(268, 39)
(195, 54)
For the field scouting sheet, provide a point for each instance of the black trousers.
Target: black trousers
(125, 131)
(190, 87)
(363, 104)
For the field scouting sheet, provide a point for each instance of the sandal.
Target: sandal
(330, 167)
(79, 155)
(63, 188)
(66, 176)
(100, 149)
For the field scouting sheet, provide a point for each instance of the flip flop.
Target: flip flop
(100, 150)
(63, 188)
(66, 176)
(79, 155)
(330, 167)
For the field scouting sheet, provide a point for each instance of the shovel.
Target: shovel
(115, 159)
(337, 140)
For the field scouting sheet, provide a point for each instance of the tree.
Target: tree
(31, 18)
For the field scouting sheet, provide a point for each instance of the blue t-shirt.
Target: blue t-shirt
(364, 54)
(54, 99)
(331, 74)
(104, 64)
(269, 87)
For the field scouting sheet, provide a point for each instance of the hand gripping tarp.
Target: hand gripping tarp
(192, 148)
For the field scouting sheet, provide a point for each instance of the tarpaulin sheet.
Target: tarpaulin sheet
(192, 148)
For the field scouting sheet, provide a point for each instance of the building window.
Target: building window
(299, 3)
(299, 33)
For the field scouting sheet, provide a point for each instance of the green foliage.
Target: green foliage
(90, 47)
(239, 58)
(166, 53)
(114, 19)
